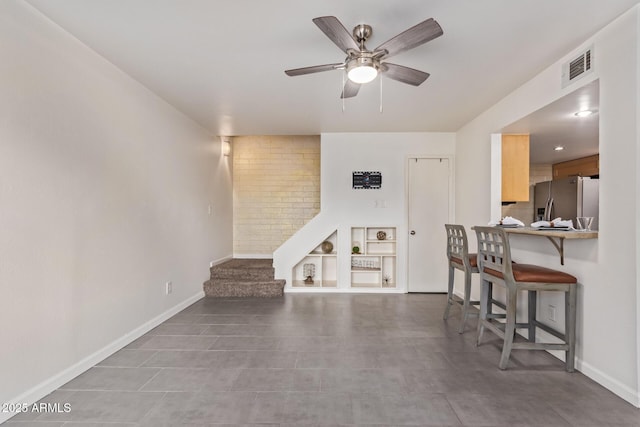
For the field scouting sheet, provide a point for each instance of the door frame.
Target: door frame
(452, 205)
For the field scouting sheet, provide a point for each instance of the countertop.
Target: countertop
(556, 237)
(565, 234)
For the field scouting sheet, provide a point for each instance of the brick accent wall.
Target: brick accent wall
(276, 189)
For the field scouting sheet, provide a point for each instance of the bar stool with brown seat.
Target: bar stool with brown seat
(495, 266)
(460, 259)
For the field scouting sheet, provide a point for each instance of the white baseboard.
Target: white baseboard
(46, 387)
(623, 391)
(220, 260)
(312, 290)
(253, 256)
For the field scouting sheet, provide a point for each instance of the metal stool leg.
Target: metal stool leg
(467, 301)
(485, 304)
(571, 299)
(449, 293)
(510, 328)
(531, 312)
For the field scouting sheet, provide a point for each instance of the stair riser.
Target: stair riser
(242, 275)
(243, 289)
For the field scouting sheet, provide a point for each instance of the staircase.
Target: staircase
(244, 278)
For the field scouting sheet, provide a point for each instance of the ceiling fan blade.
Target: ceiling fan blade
(404, 74)
(336, 32)
(313, 69)
(350, 89)
(414, 36)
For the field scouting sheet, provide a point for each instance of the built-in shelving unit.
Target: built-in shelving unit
(373, 257)
(325, 266)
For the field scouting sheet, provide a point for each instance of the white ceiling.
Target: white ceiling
(557, 125)
(222, 62)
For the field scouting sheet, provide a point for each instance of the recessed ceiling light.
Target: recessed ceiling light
(558, 148)
(584, 113)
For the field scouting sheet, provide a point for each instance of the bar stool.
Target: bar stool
(494, 263)
(460, 258)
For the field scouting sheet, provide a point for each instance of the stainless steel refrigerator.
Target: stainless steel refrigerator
(567, 198)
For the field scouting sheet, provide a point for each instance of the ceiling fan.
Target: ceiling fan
(363, 65)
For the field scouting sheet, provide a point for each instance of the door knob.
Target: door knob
(413, 232)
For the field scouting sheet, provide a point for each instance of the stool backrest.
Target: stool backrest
(457, 244)
(494, 252)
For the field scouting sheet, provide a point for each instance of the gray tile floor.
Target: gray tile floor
(326, 359)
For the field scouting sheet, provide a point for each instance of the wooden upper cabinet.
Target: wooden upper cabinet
(515, 168)
(586, 166)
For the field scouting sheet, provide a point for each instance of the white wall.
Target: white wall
(104, 196)
(343, 207)
(606, 267)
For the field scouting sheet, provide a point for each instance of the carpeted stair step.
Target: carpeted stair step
(228, 288)
(244, 278)
(244, 269)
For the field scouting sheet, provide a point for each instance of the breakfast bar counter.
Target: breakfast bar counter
(556, 237)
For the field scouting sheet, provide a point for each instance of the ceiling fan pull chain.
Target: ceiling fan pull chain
(381, 94)
(344, 75)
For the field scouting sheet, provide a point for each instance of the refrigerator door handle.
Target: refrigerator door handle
(548, 208)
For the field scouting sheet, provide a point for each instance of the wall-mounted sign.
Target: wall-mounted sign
(367, 180)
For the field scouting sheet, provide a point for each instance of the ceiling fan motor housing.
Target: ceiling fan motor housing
(363, 61)
(362, 32)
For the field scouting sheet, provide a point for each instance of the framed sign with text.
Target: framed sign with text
(367, 180)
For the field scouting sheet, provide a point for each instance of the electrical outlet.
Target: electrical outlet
(169, 287)
(209, 210)
(551, 313)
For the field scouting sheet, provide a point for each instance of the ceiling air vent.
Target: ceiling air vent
(577, 68)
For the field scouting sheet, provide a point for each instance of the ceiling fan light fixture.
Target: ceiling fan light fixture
(362, 74)
(362, 70)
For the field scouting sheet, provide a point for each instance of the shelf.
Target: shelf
(372, 233)
(323, 264)
(316, 284)
(376, 260)
(369, 268)
(365, 285)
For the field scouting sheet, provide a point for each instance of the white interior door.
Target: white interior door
(428, 212)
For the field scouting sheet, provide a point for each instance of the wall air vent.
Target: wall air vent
(577, 67)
